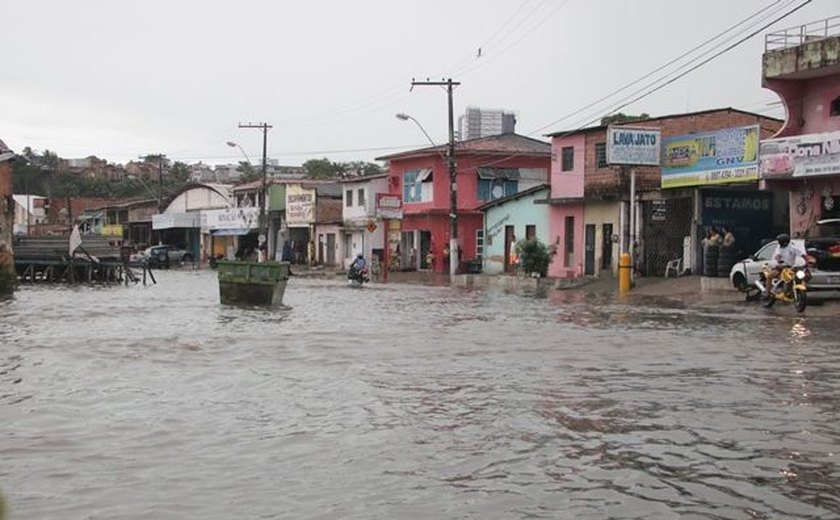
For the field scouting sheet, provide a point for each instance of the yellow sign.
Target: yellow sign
(113, 230)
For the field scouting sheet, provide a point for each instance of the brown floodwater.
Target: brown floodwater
(411, 401)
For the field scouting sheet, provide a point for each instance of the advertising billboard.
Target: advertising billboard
(300, 206)
(800, 156)
(634, 146)
(709, 158)
(230, 218)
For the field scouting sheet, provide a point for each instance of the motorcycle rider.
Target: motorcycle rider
(785, 255)
(357, 266)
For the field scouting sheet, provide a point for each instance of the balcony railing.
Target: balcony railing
(802, 34)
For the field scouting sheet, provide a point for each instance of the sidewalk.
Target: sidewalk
(687, 289)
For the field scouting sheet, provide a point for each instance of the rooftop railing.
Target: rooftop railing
(802, 34)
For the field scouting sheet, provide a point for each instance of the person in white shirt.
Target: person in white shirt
(785, 255)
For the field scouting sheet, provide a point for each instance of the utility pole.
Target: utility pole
(160, 157)
(263, 222)
(160, 182)
(453, 175)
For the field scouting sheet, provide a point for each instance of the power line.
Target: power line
(727, 49)
(654, 71)
(669, 81)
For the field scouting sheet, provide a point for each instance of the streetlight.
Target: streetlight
(454, 256)
(245, 155)
(405, 117)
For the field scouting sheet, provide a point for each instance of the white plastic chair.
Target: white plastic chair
(673, 265)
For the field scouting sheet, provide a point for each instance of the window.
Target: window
(601, 155)
(495, 183)
(479, 244)
(835, 107)
(570, 241)
(417, 185)
(567, 159)
(360, 197)
(349, 198)
(530, 232)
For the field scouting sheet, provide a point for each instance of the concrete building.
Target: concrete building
(507, 221)
(802, 66)
(589, 199)
(363, 230)
(477, 123)
(487, 169)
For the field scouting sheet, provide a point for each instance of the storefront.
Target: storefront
(229, 233)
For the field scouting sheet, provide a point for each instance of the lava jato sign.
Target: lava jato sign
(634, 146)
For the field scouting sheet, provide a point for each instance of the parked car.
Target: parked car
(825, 275)
(165, 255)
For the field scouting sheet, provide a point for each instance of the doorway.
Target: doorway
(510, 244)
(425, 247)
(606, 247)
(589, 250)
(330, 248)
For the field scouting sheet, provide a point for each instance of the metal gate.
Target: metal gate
(666, 223)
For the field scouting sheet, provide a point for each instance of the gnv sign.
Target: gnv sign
(633, 146)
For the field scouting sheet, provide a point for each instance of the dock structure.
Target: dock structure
(47, 259)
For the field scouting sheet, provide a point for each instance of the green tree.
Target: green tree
(360, 169)
(249, 173)
(322, 169)
(534, 256)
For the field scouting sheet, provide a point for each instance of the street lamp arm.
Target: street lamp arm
(405, 117)
(245, 155)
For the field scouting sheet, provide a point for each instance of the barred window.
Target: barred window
(601, 155)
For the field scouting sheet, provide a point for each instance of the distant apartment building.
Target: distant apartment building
(478, 122)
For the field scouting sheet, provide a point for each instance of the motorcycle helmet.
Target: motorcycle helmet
(784, 239)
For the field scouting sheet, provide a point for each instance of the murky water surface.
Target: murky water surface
(405, 401)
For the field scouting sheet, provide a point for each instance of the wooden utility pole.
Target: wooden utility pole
(453, 175)
(263, 222)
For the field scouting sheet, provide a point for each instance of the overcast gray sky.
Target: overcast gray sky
(120, 79)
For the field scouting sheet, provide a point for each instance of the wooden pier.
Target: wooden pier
(47, 259)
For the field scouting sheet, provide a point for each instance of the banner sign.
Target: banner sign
(633, 146)
(176, 220)
(389, 206)
(300, 206)
(230, 218)
(709, 158)
(800, 156)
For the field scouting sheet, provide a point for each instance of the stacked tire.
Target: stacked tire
(710, 260)
(725, 261)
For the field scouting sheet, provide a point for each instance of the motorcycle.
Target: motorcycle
(790, 286)
(358, 276)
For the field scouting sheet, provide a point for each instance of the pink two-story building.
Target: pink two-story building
(487, 169)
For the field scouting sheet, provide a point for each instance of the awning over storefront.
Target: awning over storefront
(231, 232)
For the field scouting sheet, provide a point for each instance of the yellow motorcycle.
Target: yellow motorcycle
(790, 286)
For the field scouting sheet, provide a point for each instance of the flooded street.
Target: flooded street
(409, 401)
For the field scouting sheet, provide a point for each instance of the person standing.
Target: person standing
(728, 237)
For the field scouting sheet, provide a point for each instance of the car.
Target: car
(825, 275)
(165, 255)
